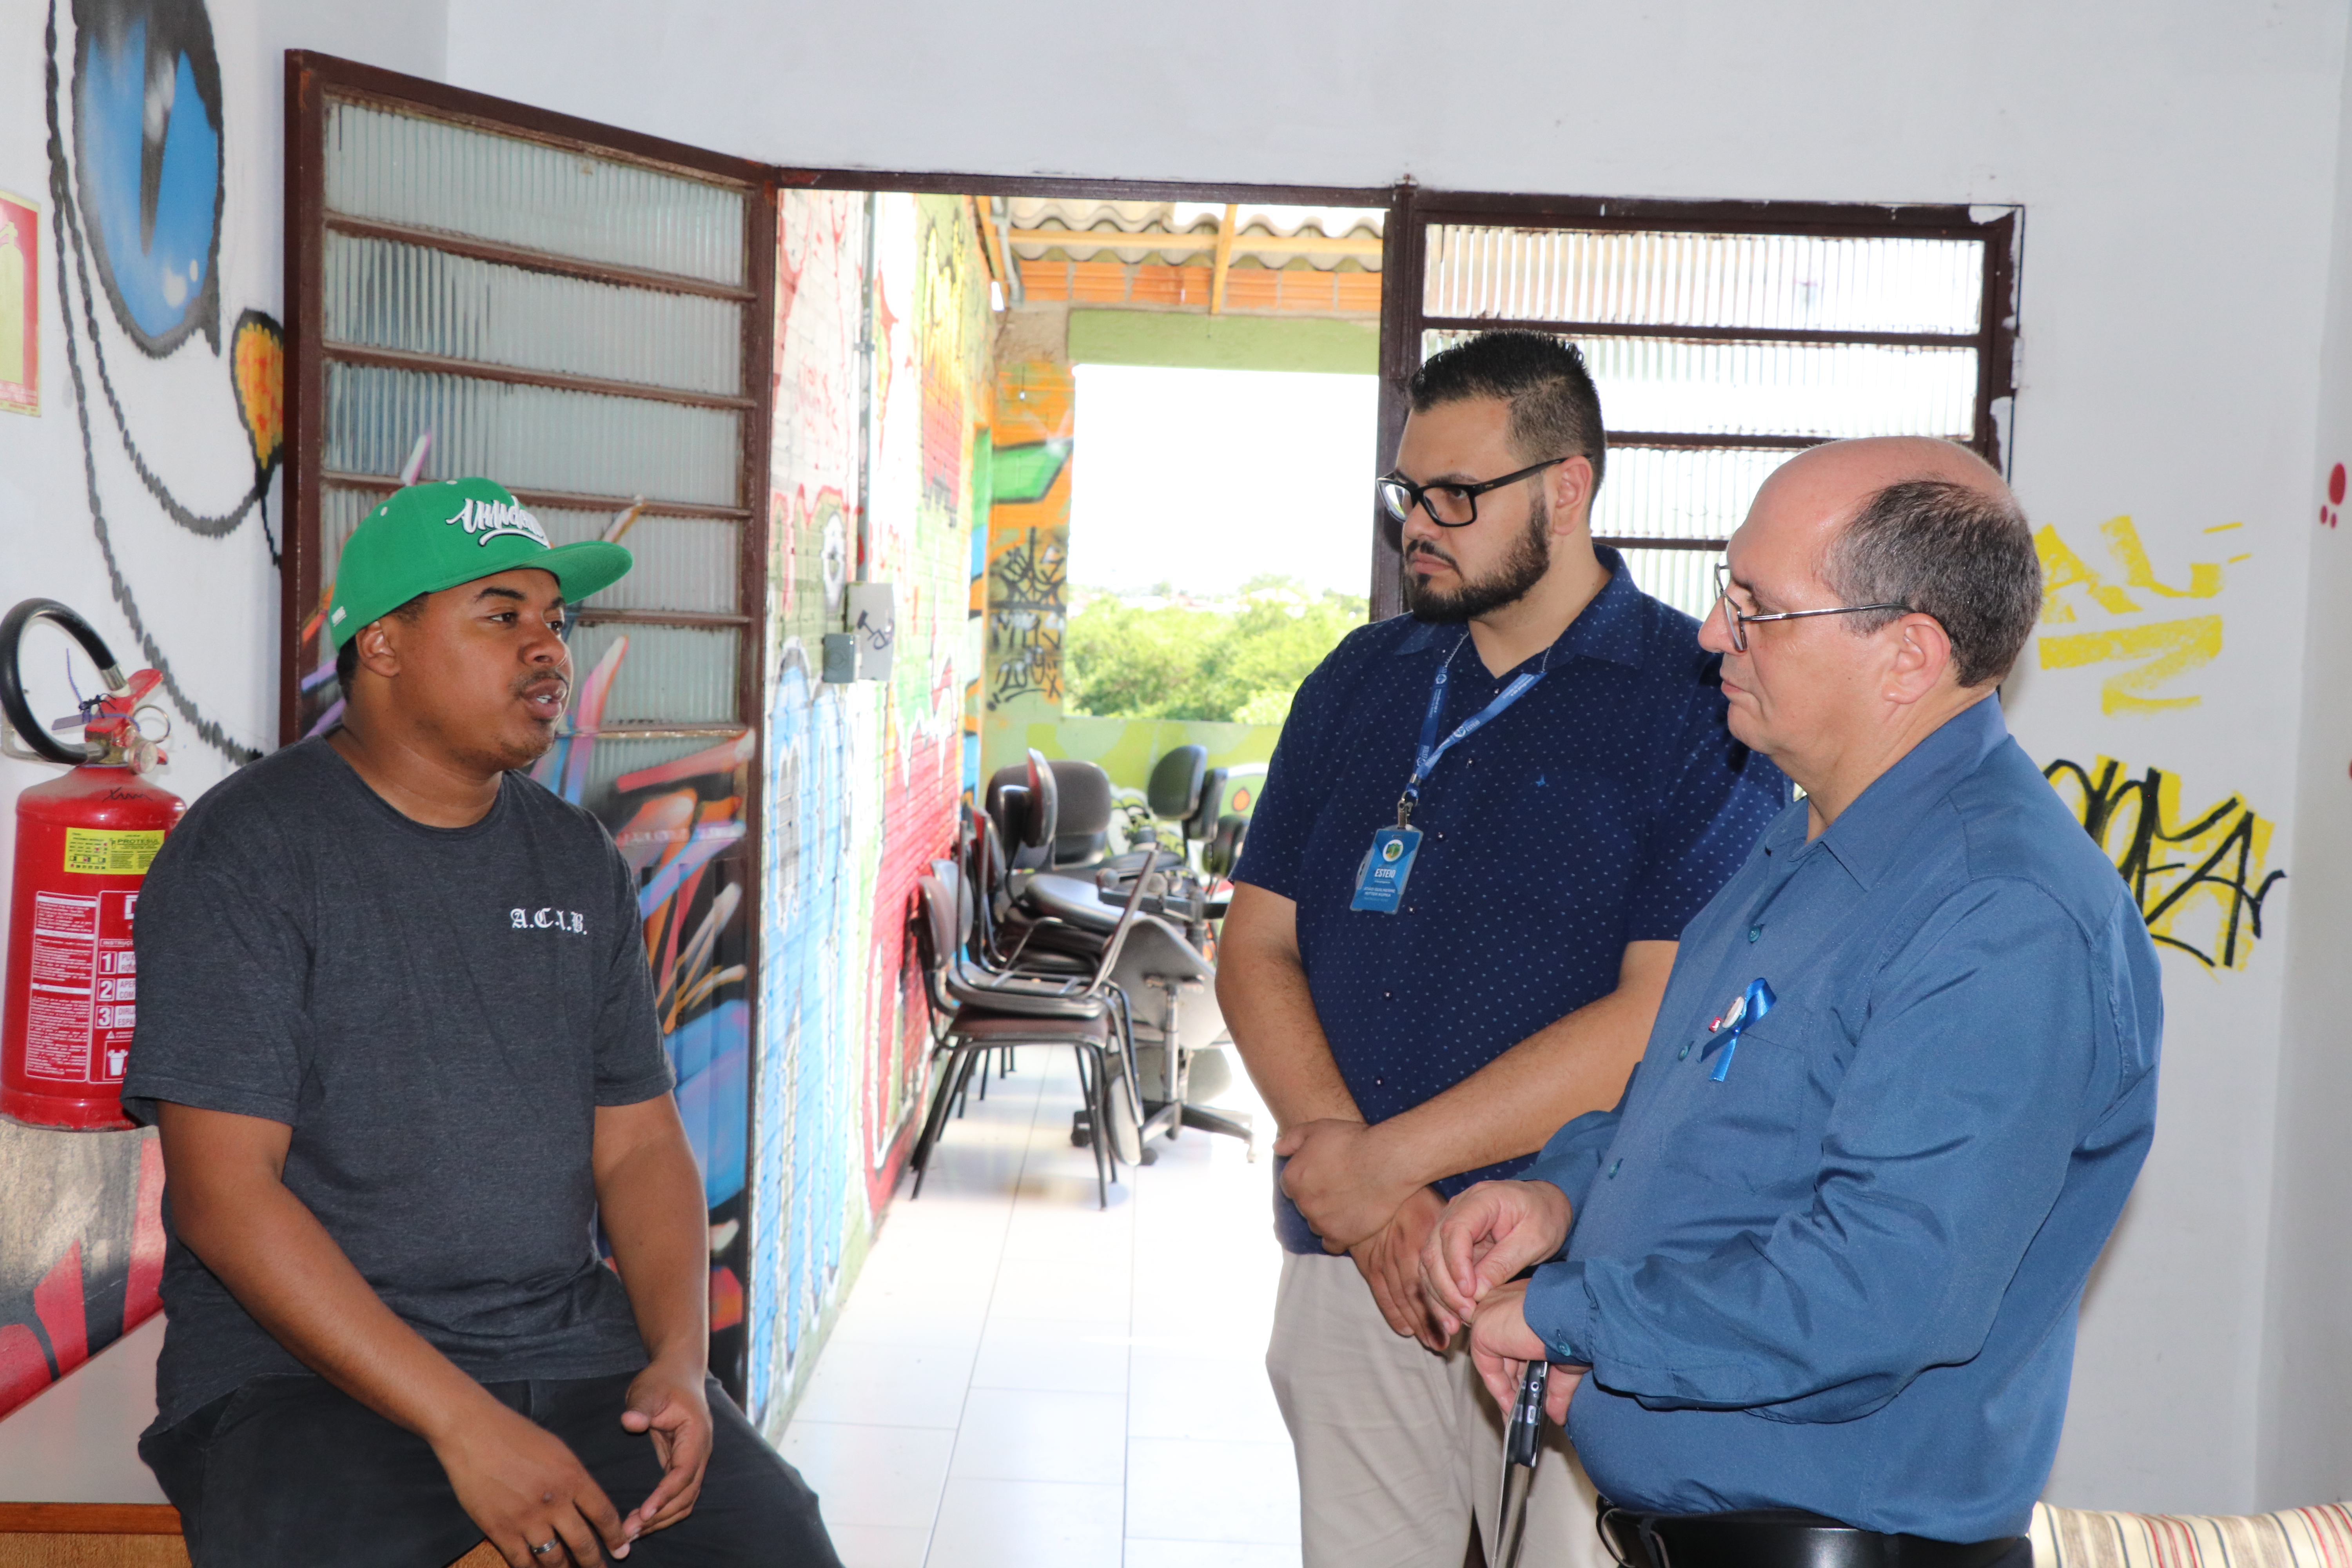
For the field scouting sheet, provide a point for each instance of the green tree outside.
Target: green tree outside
(1182, 662)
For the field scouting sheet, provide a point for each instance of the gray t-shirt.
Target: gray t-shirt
(437, 1013)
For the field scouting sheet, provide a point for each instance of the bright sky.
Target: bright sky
(1204, 478)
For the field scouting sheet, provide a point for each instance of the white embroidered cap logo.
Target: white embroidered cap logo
(570, 921)
(485, 520)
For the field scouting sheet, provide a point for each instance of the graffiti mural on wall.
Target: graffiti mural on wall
(1029, 538)
(801, 1096)
(147, 151)
(2155, 653)
(81, 1254)
(862, 779)
(1029, 590)
(138, 208)
(926, 252)
(2198, 876)
(678, 820)
(136, 200)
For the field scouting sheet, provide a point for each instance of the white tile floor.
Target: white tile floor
(1020, 1378)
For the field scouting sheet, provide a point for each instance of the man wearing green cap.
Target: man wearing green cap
(399, 1038)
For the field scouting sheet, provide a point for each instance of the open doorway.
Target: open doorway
(1216, 529)
(1220, 364)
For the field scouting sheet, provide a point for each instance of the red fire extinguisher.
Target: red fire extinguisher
(83, 845)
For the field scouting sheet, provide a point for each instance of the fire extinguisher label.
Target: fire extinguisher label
(111, 851)
(85, 986)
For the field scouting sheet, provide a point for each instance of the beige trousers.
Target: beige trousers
(1401, 1451)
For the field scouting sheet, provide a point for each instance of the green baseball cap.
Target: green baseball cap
(434, 536)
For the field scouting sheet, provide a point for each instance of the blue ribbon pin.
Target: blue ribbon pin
(1753, 1005)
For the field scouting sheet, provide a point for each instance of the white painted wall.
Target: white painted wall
(2179, 165)
(2306, 1366)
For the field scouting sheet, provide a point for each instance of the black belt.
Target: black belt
(1784, 1538)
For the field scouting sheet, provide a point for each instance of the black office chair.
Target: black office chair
(985, 1011)
(1025, 803)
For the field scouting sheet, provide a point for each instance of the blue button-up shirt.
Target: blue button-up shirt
(1603, 807)
(1844, 1279)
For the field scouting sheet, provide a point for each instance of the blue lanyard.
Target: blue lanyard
(1427, 754)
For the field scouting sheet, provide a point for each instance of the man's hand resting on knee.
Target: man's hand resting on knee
(667, 1401)
(524, 1487)
(1484, 1237)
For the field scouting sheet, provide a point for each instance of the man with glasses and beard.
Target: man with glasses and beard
(1484, 827)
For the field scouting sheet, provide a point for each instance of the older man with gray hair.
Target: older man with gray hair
(1812, 1284)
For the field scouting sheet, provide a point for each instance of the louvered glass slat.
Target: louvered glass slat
(678, 675)
(1653, 492)
(1641, 278)
(531, 438)
(683, 562)
(1829, 390)
(1683, 578)
(340, 511)
(384, 294)
(430, 174)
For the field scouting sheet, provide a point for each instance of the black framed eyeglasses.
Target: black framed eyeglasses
(1736, 622)
(1449, 505)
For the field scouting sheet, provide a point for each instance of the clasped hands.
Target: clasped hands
(539, 1505)
(1433, 1266)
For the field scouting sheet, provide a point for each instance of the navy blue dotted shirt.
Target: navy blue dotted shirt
(1604, 807)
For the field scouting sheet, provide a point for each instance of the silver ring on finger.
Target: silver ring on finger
(551, 1544)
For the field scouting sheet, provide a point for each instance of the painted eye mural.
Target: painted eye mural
(139, 204)
(147, 163)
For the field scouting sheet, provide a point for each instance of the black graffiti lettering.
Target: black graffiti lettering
(2215, 856)
(1025, 618)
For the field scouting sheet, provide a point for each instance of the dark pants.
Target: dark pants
(288, 1470)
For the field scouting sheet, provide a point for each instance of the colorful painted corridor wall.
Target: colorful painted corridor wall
(879, 465)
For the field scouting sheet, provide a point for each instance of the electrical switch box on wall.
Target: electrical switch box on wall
(863, 652)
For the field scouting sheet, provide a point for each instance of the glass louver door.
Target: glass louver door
(583, 315)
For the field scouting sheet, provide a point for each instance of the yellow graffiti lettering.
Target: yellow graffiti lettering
(2170, 648)
(2122, 544)
(2062, 569)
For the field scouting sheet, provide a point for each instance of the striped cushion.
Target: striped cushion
(2318, 1537)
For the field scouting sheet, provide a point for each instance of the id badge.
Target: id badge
(1388, 864)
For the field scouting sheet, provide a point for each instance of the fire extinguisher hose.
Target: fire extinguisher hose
(19, 713)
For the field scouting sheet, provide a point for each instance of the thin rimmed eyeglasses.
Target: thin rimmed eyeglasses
(1736, 622)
